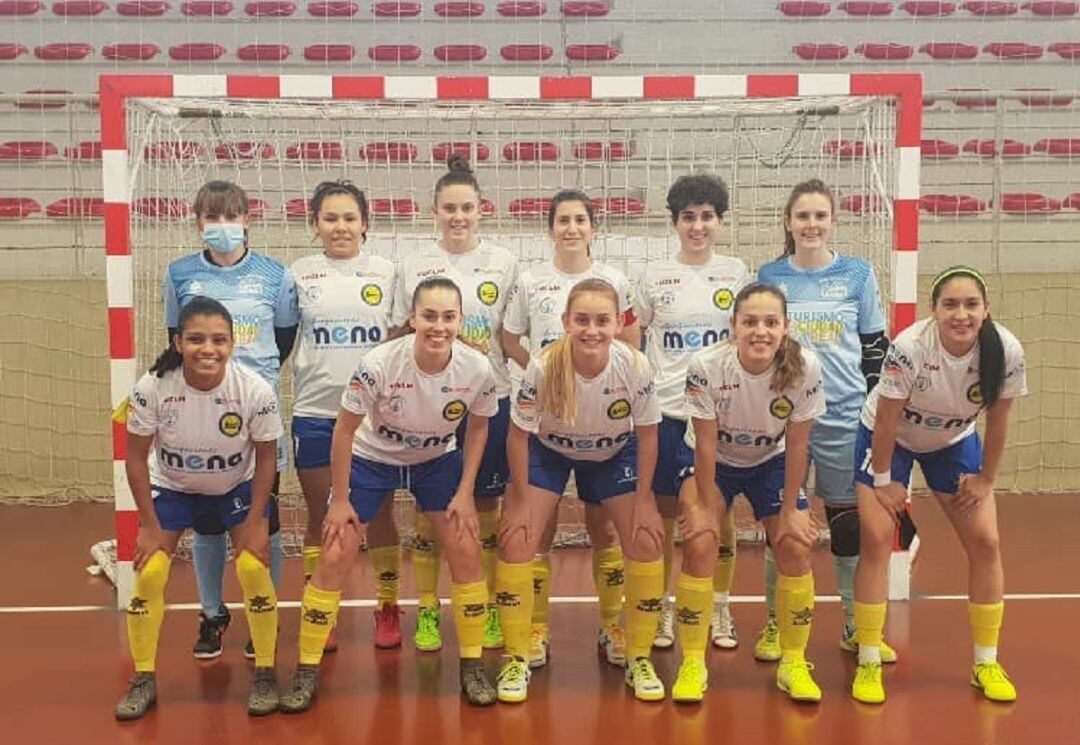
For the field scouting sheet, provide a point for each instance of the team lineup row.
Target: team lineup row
(742, 384)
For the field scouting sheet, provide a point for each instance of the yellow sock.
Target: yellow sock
(669, 549)
(644, 594)
(541, 573)
(514, 596)
(489, 529)
(869, 623)
(386, 561)
(470, 610)
(318, 614)
(608, 571)
(985, 622)
(310, 558)
(260, 606)
(146, 609)
(426, 559)
(693, 601)
(794, 613)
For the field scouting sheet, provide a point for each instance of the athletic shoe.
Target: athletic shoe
(793, 678)
(665, 627)
(722, 627)
(993, 681)
(613, 644)
(427, 637)
(539, 646)
(388, 626)
(140, 696)
(767, 648)
(208, 645)
(513, 681)
(332, 642)
(867, 686)
(691, 682)
(493, 635)
(848, 644)
(641, 676)
(475, 686)
(302, 690)
(264, 693)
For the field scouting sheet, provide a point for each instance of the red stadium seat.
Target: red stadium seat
(12, 51)
(1043, 97)
(201, 8)
(79, 8)
(1061, 147)
(16, 208)
(883, 51)
(1053, 8)
(333, 9)
(845, 149)
(820, 51)
(263, 52)
(460, 52)
(394, 207)
(270, 9)
(390, 152)
(988, 148)
(394, 53)
(196, 52)
(487, 207)
(87, 150)
(315, 151)
(1066, 49)
(862, 203)
(396, 10)
(41, 104)
(329, 52)
(20, 7)
(608, 151)
(64, 51)
(76, 207)
(991, 8)
(1029, 203)
(979, 98)
(1072, 201)
(244, 150)
(1014, 50)
(527, 152)
(296, 208)
(521, 9)
(951, 204)
(939, 149)
(161, 208)
(257, 208)
(804, 9)
(864, 8)
(529, 206)
(27, 150)
(592, 52)
(130, 52)
(526, 52)
(586, 8)
(475, 151)
(173, 150)
(949, 50)
(143, 8)
(618, 206)
(923, 8)
(459, 10)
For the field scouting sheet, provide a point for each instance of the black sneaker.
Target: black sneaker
(475, 685)
(208, 645)
(141, 695)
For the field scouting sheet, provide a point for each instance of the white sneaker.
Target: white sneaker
(513, 681)
(722, 627)
(665, 627)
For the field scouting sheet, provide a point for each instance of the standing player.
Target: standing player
(586, 404)
(940, 373)
(684, 304)
(396, 430)
(345, 298)
(201, 442)
(835, 309)
(753, 401)
(261, 297)
(535, 309)
(485, 273)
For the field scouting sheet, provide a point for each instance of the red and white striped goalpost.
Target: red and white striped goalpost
(115, 90)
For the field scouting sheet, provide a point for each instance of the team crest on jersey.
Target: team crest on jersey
(170, 417)
(922, 384)
(230, 424)
(833, 289)
(723, 298)
(487, 292)
(250, 285)
(454, 410)
(781, 407)
(396, 403)
(196, 287)
(371, 294)
(619, 409)
(974, 394)
(313, 293)
(547, 306)
(665, 299)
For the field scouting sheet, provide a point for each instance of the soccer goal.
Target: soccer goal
(622, 139)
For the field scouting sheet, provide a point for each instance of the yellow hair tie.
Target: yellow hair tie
(954, 271)
(120, 413)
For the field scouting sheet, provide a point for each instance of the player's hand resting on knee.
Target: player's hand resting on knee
(697, 520)
(515, 518)
(340, 517)
(892, 497)
(646, 519)
(461, 513)
(796, 524)
(973, 490)
(150, 540)
(254, 537)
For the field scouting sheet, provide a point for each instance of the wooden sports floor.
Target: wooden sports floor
(66, 658)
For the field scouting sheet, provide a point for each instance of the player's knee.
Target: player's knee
(843, 530)
(249, 568)
(700, 554)
(792, 557)
(154, 575)
(984, 545)
(515, 548)
(876, 541)
(600, 528)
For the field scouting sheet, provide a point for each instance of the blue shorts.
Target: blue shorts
(311, 441)
(676, 460)
(494, 473)
(177, 510)
(762, 485)
(432, 483)
(941, 468)
(596, 480)
(832, 451)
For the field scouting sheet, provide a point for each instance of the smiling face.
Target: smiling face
(457, 213)
(592, 322)
(436, 317)
(959, 311)
(759, 326)
(809, 221)
(205, 343)
(340, 225)
(697, 226)
(571, 228)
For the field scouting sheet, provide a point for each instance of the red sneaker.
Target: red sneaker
(388, 626)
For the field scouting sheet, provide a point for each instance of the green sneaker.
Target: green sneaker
(848, 644)
(767, 648)
(692, 682)
(427, 637)
(493, 635)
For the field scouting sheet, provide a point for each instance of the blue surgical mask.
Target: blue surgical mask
(224, 237)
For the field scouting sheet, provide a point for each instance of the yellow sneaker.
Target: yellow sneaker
(993, 681)
(692, 681)
(867, 686)
(539, 647)
(793, 678)
(767, 648)
(641, 676)
(848, 644)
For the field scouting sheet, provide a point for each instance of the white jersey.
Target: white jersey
(344, 312)
(751, 419)
(685, 309)
(204, 441)
(609, 406)
(410, 417)
(538, 300)
(485, 276)
(942, 393)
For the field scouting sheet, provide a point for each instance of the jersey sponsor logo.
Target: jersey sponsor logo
(250, 285)
(833, 288)
(693, 338)
(897, 359)
(139, 399)
(424, 273)
(817, 327)
(245, 329)
(811, 392)
(933, 421)
(974, 394)
(476, 332)
(371, 294)
(673, 281)
(615, 391)
(587, 443)
(400, 385)
(260, 604)
(695, 384)
(745, 439)
(454, 388)
(619, 409)
(195, 287)
(270, 408)
(342, 335)
(138, 606)
(231, 423)
(723, 298)
(225, 400)
(922, 384)
(665, 300)
(215, 462)
(173, 400)
(487, 293)
(526, 396)
(414, 441)
(396, 403)
(781, 407)
(454, 410)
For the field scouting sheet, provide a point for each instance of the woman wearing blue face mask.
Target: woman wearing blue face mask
(261, 297)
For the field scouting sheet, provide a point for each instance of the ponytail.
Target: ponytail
(558, 394)
(790, 365)
(170, 359)
(991, 363)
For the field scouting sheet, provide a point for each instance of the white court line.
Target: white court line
(563, 600)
